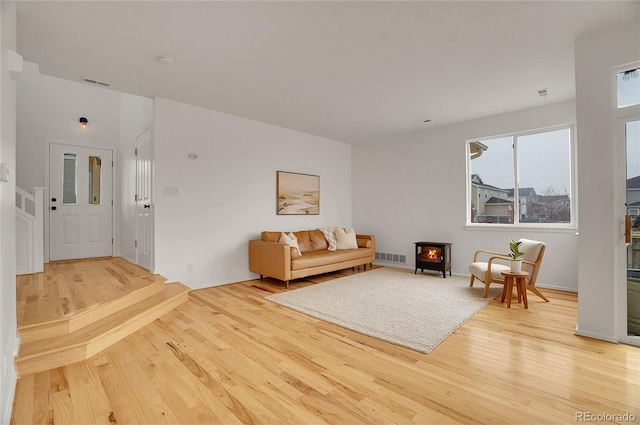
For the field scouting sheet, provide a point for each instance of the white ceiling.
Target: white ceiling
(349, 71)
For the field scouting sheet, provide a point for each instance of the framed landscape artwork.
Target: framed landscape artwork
(297, 194)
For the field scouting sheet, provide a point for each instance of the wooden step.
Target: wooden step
(88, 316)
(44, 354)
(66, 288)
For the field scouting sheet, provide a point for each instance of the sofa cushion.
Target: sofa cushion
(318, 242)
(346, 239)
(270, 236)
(290, 240)
(303, 240)
(330, 235)
(324, 257)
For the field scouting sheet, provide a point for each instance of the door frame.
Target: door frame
(47, 197)
(619, 118)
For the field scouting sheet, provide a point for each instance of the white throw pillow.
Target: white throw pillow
(290, 240)
(346, 239)
(330, 235)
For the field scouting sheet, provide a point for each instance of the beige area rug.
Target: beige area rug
(415, 311)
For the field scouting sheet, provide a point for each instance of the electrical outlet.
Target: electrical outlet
(189, 268)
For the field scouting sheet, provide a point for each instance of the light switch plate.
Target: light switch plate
(171, 191)
(4, 172)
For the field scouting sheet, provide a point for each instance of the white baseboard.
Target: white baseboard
(557, 288)
(131, 260)
(466, 275)
(13, 380)
(594, 335)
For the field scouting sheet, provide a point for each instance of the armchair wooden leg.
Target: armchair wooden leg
(486, 290)
(286, 284)
(537, 292)
(261, 277)
(471, 280)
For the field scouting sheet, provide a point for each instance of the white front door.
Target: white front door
(80, 202)
(144, 217)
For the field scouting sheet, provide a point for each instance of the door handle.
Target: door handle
(147, 205)
(54, 208)
(627, 228)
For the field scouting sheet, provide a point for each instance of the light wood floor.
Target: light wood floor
(69, 287)
(228, 357)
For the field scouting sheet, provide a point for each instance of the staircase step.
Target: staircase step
(44, 354)
(89, 315)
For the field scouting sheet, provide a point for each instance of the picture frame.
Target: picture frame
(297, 193)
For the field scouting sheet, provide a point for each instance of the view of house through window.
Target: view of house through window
(522, 178)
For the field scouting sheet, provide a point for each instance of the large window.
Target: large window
(522, 178)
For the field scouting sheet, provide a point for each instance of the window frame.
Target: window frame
(556, 227)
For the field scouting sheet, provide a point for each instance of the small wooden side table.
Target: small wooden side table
(519, 279)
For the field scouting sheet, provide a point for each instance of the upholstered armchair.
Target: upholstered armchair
(487, 265)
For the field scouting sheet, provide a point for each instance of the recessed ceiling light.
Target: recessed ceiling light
(165, 60)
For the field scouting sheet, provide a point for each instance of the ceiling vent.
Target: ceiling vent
(95, 82)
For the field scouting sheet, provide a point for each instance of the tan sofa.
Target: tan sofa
(268, 257)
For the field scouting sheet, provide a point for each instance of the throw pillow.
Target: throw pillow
(346, 239)
(330, 235)
(290, 240)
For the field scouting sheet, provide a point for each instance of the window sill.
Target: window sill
(523, 227)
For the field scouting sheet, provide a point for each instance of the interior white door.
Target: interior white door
(80, 202)
(144, 216)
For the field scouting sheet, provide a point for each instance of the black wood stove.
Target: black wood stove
(433, 256)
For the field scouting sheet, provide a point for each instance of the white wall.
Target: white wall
(596, 55)
(49, 109)
(8, 338)
(228, 195)
(413, 189)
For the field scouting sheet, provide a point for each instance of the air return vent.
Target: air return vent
(393, 258)
(95, 82)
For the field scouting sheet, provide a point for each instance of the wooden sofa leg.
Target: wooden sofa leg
(261, 277)
(286, 284)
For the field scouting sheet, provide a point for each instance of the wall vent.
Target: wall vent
(394, 258)
(95, 82)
